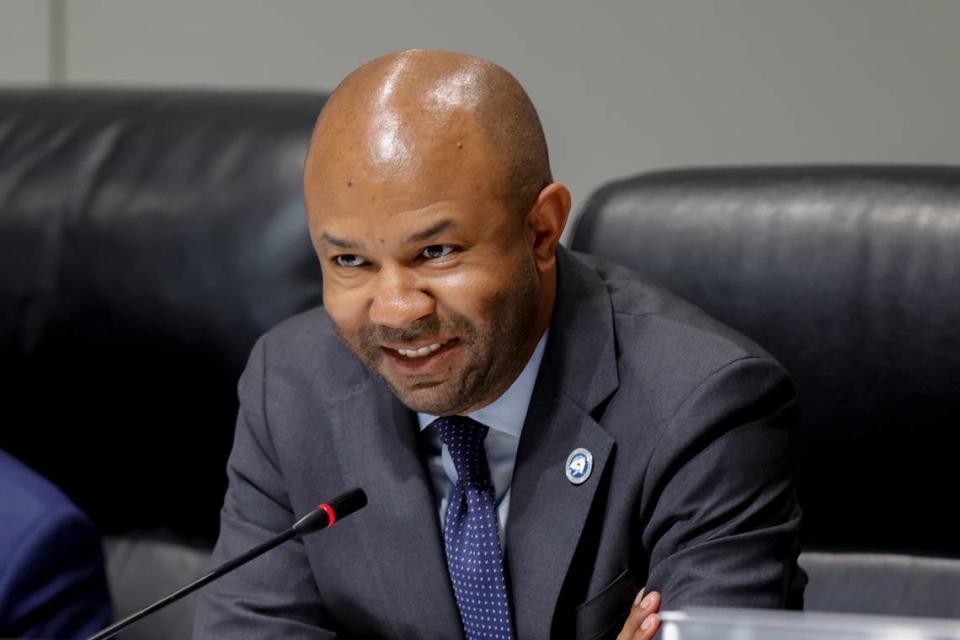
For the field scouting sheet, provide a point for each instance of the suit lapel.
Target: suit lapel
(376, 440)
(547, 512)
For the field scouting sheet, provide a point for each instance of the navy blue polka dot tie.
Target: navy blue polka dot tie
(471, 536)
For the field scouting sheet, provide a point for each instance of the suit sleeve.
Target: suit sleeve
(724, 527)
(274, 596)
(55, 585)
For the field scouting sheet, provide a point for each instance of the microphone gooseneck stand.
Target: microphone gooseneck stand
(320, 518)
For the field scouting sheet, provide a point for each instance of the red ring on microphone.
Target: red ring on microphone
(331, 516)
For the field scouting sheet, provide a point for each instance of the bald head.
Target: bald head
(431, 112)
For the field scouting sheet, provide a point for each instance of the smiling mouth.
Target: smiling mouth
(420, 353)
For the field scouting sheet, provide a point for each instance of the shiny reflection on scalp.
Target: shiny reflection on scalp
(454, 91)
(387, 144)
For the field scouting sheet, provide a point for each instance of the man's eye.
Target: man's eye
(349, 260)
(435, 251)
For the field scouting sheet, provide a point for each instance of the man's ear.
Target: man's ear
(544, 224)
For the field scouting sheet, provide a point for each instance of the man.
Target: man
(52, 579)
(615, 438)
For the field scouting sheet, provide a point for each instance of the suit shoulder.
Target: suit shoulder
(310, 329)
(642, 308)
(669, 352)
(29, 501)
(308, 334)
(307, 345)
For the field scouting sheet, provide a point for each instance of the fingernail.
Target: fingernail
(646, 602)
(646, 623)
(639, 597)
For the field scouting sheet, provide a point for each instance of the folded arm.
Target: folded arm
(723, 530)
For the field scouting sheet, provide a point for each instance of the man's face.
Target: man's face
(428, 277)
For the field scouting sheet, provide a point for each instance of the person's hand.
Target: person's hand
(643, 621)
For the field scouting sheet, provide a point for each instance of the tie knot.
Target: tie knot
(459, 431)
(463, 438)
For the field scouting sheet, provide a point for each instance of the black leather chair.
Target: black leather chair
(850, 276)
(146, 239)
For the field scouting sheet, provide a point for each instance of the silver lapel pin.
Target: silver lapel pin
(579, 465)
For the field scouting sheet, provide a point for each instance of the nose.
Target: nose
(398, 299)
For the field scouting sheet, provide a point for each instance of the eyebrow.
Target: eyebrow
(419, 236)
(431, 231)
(338, 242)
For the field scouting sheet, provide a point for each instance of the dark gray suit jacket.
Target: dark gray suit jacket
(692, 491)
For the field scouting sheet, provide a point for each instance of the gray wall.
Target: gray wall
(622, 87)
(24, 41)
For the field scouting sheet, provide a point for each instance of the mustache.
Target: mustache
(423, 327)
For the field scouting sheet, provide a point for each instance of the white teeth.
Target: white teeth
(419, 353)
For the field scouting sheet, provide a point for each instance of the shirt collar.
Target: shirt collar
(508, 412)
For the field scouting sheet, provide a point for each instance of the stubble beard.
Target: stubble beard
(495, 350)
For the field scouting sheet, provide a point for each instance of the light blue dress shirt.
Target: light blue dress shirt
(505, 417)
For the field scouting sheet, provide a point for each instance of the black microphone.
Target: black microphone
(325, 515)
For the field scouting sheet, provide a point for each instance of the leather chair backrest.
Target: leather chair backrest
(850, 276)
(146, 239)
(141, 571)
(882, 584)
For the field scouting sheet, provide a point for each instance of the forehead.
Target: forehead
(399, 169)
(394, 216)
